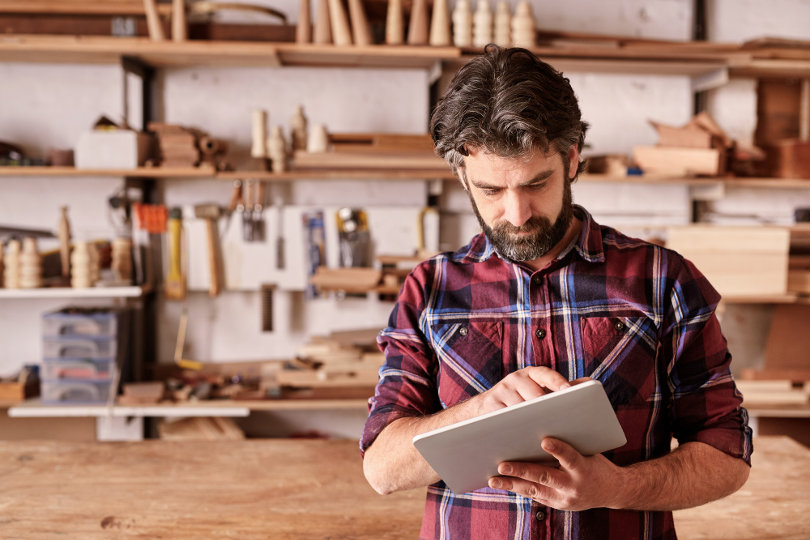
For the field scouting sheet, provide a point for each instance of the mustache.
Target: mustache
(531, 225)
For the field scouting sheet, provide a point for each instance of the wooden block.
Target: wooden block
(800, 375)
(323, 26)
(682, 137)
(707, 123)
(153, 21)
(336, 160)
(789, 159)
(799, 281)
(351, 280)
(14, 391)
(778, 104)
(418, 27)
(738, 261)
(143, 392)
(680, 161)
(200, 429)
(789, 338)
(360, 27)
(303, 28)
(341, 34)
(381, 142)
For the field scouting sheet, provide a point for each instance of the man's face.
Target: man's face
(523, 205)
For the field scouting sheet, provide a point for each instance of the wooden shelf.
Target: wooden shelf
(778, 411)
(66, 292)
(677, 58)
(141, 172)
(34, 408)
(378, 174)
(334, 174)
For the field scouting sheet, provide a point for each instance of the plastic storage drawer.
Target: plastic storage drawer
(75, 391)
(80, 324)
(96, 369)
(79, 347)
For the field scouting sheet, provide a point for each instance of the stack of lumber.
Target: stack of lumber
(352, 280)
(178, 146)
(346, 362)
(698, 148)
(372, 151)
(737, 260)
(773, 392)
(784, 379)
(142, 393)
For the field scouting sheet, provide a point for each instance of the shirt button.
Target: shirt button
(462, 331)
(619, 326)
(540, 515)
(540, 333)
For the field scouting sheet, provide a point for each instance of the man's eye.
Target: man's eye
(490, 192)
(536, 187)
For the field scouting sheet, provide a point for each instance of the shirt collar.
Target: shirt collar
(588, 245)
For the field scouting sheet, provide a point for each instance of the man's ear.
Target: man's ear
(573, 162)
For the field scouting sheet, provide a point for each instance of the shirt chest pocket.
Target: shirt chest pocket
(621, 352)
(470, 357)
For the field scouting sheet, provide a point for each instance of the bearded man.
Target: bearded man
(544, 298)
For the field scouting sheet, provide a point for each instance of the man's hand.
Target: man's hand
(579, 483)
(523, 385)
(692, 474)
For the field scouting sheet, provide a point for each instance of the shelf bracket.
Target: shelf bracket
(133, 66)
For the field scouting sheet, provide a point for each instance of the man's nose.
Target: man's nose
(517, 209)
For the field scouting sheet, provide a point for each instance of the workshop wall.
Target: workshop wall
(48, 106)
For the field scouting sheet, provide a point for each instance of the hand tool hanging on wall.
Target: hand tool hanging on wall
(279, 204)
(353, 237)
(175, 279)
(247, 212)
(210, 213)
(181, 342)
(234, 204)
(258, 213)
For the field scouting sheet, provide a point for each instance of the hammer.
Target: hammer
(210, 213)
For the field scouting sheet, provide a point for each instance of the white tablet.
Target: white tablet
(466, 454)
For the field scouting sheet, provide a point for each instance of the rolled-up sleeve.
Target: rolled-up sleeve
(407, 379)
(706, 405)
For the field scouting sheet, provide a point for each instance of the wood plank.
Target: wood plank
(83, 7)
(680, 161)
(290, 489)
(282, 489)
(770, 489)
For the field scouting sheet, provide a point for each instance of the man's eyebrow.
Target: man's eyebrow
(540, 177)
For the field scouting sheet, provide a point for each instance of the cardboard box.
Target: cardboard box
(114, 149)
(738, 261)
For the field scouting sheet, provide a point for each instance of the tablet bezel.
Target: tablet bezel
(466, 454)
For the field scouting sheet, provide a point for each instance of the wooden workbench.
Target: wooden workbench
(299, 489)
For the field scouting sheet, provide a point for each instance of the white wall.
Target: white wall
(43, 106)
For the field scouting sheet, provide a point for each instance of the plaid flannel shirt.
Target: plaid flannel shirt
(635, 316)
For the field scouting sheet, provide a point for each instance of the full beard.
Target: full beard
(512, 242)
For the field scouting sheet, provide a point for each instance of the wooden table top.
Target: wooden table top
(276, 488)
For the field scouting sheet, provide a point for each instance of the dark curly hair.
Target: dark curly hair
(508, 102)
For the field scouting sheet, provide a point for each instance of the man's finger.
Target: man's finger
(568, 457)
(548, 378)
(532, 472)
(522, 487)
